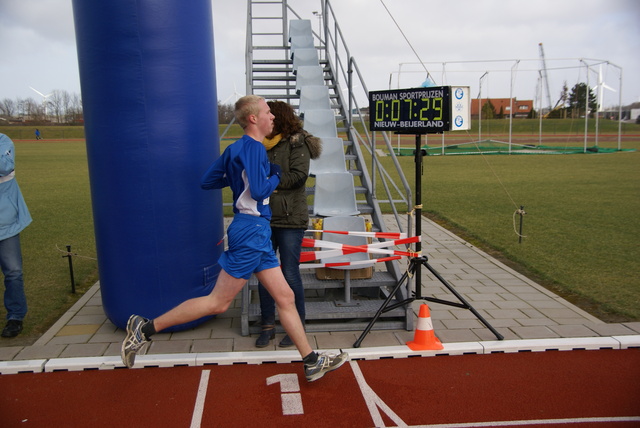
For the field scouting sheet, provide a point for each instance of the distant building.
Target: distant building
(521, 109)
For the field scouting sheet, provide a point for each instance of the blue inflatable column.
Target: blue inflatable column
(147, 75)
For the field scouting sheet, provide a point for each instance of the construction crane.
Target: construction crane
(545, 79)
(543, 75)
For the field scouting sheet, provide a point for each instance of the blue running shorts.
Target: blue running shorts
(249, 248)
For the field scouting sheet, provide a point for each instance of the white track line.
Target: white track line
(196, 420)
(535, 422)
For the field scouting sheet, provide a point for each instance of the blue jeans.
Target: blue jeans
(15, 300)
(288, 242)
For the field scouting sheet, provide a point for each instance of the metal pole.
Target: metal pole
(586, 110)
(418, 213)
(511, 104)
(620, 111)
(540, 112)
(619, 106)
(480, 107)
(599, 96)
(521, 219)
(69, 255)
(374, 163)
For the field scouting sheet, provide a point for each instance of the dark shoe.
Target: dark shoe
(286, 342)
(267, 335)
(12, 329)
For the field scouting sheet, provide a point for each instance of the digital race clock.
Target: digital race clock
(416, 110)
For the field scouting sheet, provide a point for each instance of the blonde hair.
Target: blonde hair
(245, 107)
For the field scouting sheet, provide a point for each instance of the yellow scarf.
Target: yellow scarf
(269, 143)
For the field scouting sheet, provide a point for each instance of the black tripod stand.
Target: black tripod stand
(414, 268)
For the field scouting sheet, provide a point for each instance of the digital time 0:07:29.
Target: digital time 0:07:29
(420, 109)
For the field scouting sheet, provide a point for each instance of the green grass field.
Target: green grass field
(492, 126)
(581, 224)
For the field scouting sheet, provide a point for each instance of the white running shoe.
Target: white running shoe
(134, 340)
(325, 364)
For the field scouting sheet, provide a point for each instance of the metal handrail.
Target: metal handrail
(343, 66)
(345, 70)
(335, 44)
(248, 65)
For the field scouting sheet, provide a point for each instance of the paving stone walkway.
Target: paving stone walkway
(515, 306)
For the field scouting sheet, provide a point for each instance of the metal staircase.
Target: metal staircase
(331, 304)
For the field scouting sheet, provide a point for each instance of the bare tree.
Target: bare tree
(74, 114)
(61, 106)
(33, 110)
(8, 108)
(225, 112)
(55, 105)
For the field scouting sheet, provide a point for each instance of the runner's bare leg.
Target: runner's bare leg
(218, 301)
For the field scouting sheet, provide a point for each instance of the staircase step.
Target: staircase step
(323, 63)
(273, 96)
(270, 48)
(276, 87)
(311, 282)
(272, 61)
(272, 77)
(273, 70)
(332, 316)
(364, 208)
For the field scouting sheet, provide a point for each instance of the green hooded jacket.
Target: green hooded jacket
(289, 208)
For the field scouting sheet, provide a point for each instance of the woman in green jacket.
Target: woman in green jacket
(291, 147)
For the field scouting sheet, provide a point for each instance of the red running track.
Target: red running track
(554, 388)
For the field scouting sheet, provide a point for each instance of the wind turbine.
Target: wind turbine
(44, 99)
(600, 87)
(235, 94)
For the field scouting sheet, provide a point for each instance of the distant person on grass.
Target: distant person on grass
(245, 168)
(14, 217)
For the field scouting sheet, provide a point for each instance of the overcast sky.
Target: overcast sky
(37, 44)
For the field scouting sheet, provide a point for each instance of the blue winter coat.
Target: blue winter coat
(14, 214)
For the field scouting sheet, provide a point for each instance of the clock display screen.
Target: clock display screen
(411, 111)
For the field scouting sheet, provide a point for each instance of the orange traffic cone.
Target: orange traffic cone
(424, 337)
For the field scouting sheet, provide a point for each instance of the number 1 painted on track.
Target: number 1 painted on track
(290, 389)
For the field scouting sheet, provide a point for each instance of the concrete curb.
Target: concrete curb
(283, 357)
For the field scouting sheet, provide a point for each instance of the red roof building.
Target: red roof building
(521, 108)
